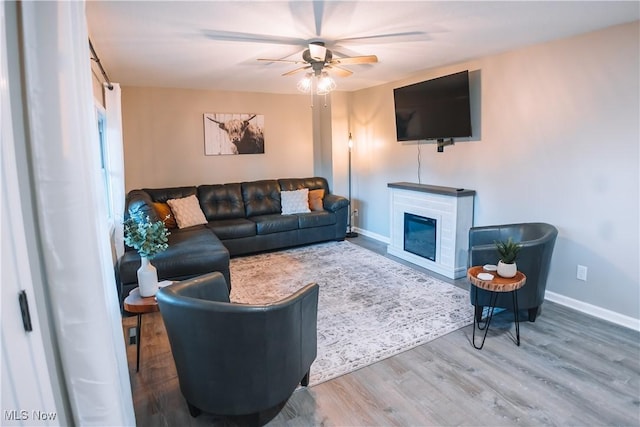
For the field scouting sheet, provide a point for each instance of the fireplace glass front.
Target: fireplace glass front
(420, 236)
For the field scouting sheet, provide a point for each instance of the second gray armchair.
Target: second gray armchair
(534, 259)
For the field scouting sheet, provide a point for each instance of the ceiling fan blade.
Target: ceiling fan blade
(288, 73)
(342, 72)
(288, 61)
(318, 13)
(367, 59)
(389, 38)
(235, 36)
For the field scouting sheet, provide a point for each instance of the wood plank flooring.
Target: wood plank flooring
(570, 370)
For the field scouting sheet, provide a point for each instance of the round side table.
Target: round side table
(495, 286)
(136, 304)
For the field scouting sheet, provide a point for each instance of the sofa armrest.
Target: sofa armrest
(333, 203)
(140, 202)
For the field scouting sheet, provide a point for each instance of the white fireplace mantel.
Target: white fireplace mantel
(452, 208)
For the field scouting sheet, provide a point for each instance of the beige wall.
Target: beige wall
(164, 137)
(556, 139)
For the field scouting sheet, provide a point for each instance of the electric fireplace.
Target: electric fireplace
(429, 226)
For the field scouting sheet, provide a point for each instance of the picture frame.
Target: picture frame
(233, 133)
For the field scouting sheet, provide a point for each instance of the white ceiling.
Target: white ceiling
(215, 44)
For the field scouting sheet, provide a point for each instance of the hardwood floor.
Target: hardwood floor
(571, 369)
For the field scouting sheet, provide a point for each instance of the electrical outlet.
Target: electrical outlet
(132, 336)
(355, 212)
(581, 273)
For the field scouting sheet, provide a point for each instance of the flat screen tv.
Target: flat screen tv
(434, 109)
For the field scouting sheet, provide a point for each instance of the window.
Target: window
(101, 116)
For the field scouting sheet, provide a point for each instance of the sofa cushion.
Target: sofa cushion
(164, 194)
(315, 199)
(296, 201)
(290, 184)
(187, 211)
(234, 228)
(223, 201)
(261, 197)
(316, 219)
(164, 213)
(268, 224)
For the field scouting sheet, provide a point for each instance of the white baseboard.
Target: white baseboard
(593, 310)
(376, 236)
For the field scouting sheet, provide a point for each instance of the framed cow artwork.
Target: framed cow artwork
(231, 133)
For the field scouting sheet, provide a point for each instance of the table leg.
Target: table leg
(516, 316)
(138, 337)
(493, 299)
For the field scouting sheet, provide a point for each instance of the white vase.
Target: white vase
(507, 270)
(147, 278)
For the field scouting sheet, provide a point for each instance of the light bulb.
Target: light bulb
(325, 84)
(304, 85)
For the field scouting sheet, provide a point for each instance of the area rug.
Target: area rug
(370, 307)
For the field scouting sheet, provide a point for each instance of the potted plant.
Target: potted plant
(149, 239)
(508, 252)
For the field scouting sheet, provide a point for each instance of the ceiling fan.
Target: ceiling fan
(318, 58)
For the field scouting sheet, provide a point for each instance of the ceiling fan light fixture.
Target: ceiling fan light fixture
(305, 84)
(317, 58)
(325, 84)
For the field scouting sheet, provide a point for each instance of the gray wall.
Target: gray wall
(555, 139)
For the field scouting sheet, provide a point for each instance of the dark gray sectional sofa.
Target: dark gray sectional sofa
(243, 218)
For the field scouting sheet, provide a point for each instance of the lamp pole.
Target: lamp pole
(350, 232)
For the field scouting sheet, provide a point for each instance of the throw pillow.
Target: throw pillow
(187, 211)
(164, 213)
(315, 199)
(295, 201)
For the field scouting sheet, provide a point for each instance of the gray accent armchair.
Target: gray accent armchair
(537, 240)
(238, 359)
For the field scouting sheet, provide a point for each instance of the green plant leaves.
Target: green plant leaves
(146, 237)
(508, 251)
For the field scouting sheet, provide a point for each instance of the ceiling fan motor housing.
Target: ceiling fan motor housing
(320, 55)
(318, 58)
(317, 51)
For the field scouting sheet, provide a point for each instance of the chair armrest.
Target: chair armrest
(482, 254)
(308, 291)
(208, 287)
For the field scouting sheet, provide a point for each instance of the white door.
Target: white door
(27, 392)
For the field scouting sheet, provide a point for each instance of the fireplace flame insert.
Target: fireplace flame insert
(420, 236)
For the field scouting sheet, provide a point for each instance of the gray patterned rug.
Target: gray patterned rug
(369, 308)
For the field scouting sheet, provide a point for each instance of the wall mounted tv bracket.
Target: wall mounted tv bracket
(443, 143)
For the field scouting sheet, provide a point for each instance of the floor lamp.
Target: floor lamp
(350, 232)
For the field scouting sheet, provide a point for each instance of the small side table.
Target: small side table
(495, 286)
(136, 304)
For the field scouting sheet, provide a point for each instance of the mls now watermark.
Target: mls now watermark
(24, 415)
